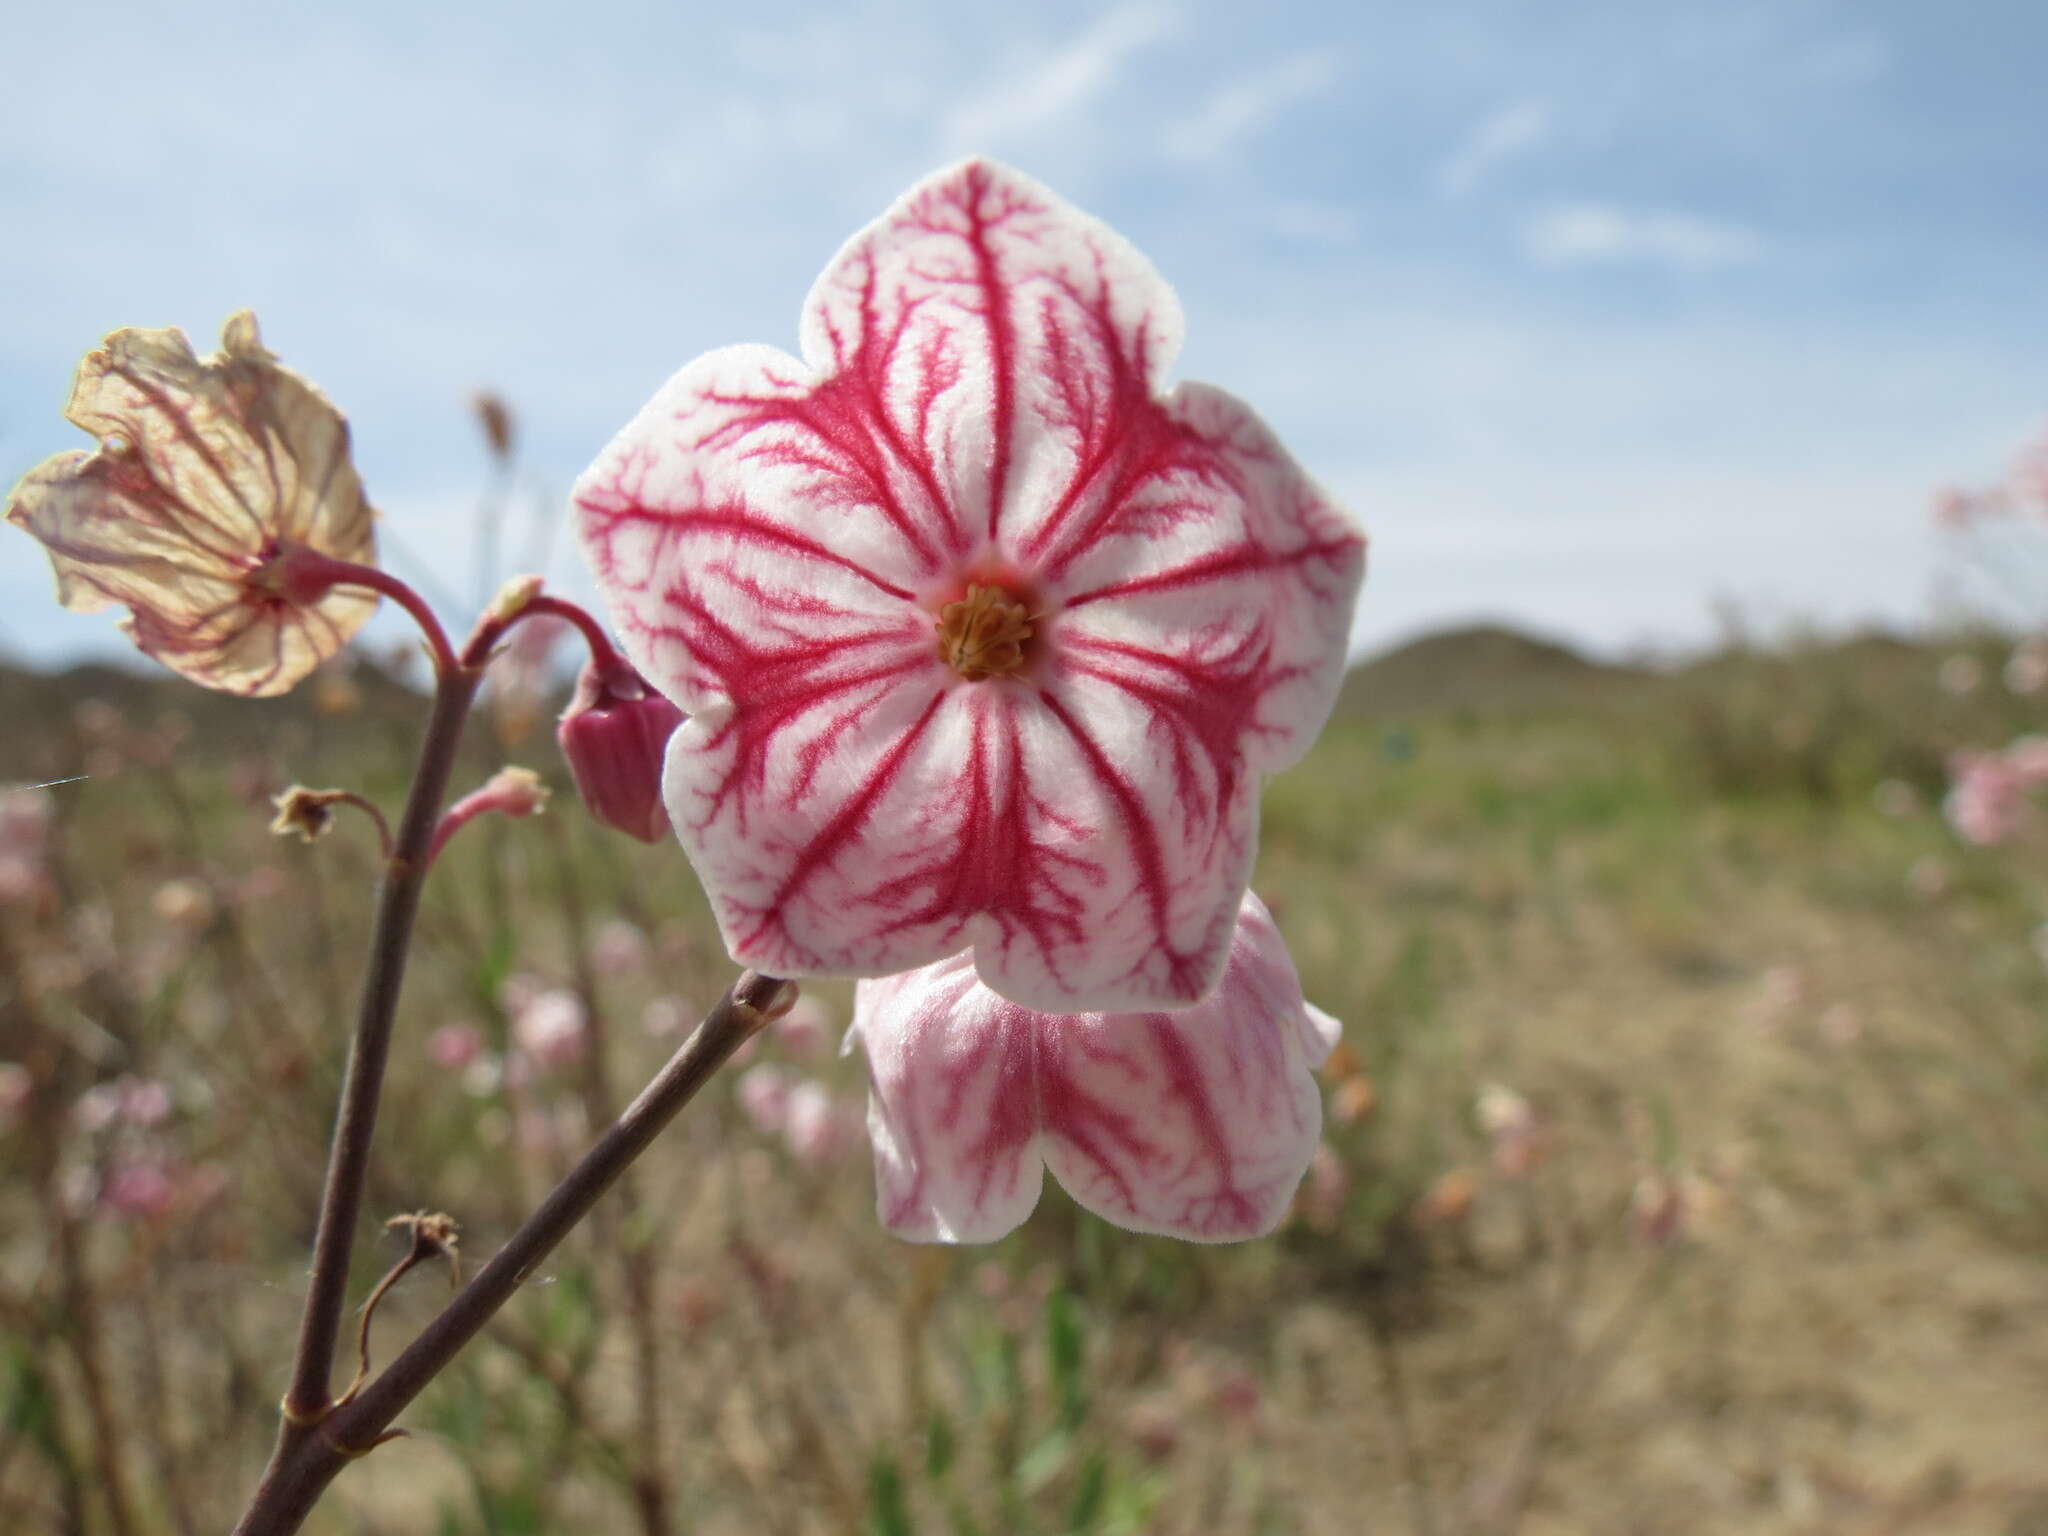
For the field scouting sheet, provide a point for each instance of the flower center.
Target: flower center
(983, 634)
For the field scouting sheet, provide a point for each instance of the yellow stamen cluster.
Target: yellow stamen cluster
(983, 634)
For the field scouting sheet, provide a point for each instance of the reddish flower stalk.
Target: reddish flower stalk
(310, 1433)
(307, 1400)
(514, 792)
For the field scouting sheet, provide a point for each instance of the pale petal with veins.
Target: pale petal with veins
(208, 470)
(975, 426)
(1196, 1124)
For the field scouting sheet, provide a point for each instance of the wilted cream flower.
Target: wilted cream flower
(213, 509)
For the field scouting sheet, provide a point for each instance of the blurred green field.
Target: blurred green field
(1755, 1241)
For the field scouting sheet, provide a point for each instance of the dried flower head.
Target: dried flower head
(221, 491)
(305, 813)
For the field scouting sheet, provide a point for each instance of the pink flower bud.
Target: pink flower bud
(613, 739)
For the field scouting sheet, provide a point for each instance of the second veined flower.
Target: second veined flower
(985, 637)
(214, 509)
(1197, 1124)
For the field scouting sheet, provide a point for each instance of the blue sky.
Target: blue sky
(1598, 314)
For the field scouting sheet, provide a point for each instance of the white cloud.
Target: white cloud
(1593, 233)
(1239, 108)
(1063, 83)
(1499, 136)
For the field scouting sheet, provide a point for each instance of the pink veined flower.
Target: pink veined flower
(1197, 1123)
(985, 637)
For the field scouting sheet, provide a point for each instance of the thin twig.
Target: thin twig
(433, 1237)
(296, 1478)
(306, 1401)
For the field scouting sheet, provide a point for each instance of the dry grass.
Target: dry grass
(1665, 912)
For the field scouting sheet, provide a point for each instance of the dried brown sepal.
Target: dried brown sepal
(305, 813)
(210, 480)
(435, 1235)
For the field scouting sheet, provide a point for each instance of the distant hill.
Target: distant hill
(1482, 667)
(40, 709)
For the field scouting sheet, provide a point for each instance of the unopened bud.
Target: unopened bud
(513, 597)
(614, 740)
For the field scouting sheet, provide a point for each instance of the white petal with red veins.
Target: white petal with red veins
(978, 401)
(1197, 1124)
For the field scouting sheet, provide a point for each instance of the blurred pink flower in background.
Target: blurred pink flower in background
(2027, 757)
(1657, 1209)
(521, 676)
(666, 1016)
(2026, 669)
(454, 1046)
(817, 1127)
(1960, 676)
(1955, 507)
(139, 1102)
(985, 636)
(26, 817)
(806, 1030)
(551, 1028)
(1781, 990)
(184, 903)
(17, 1083)
(1517, 1138)
(1987, 796)
(1197, 1123)
(763, 1094)
(619, 948)
(1929, 878)
(145, 1189)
